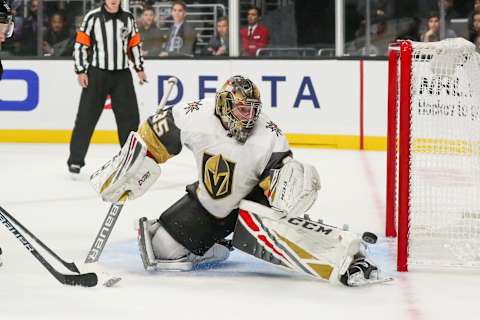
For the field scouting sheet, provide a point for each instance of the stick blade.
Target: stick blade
(83, 280)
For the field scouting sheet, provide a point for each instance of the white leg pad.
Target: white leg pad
(165, 253)
(165, 247)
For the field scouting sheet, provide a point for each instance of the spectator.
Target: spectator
(475, 32)
(255, 35)
(471, 29)
(65, 48)
(152, 37)
(182, 36)
(56, 35)
(450, 11)
(218, 45)
(433, 29)
(28, 41)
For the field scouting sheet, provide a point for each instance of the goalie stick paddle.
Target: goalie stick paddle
(69, 265)
(84, 280)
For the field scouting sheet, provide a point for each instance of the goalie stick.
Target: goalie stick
(69, 265)
(84, 280)
(105, 230)
(115, 209)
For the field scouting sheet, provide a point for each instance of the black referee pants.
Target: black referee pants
(119, 85)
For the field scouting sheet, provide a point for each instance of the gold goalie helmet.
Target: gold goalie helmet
(238, 105)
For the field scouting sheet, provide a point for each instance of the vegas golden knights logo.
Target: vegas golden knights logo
(217, 175)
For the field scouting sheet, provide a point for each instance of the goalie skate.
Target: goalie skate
(363, 272)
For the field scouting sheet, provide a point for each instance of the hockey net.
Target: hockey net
(433, 159)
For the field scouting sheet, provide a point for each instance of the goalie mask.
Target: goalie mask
(6, 19)
(238, 106)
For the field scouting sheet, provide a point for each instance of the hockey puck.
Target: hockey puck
(369, 237)
(111, 282)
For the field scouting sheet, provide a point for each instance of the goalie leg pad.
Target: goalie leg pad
(152, 246)
(131, 171)
(298, 244)
(159, 251)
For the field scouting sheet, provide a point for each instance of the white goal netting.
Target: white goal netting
(444, 197)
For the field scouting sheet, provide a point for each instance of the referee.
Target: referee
(106, 40)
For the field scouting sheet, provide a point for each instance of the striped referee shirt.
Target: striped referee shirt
(110, 38)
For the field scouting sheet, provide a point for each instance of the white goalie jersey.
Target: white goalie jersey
(227, 170)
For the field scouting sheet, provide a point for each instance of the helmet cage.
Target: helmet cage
(231, 97)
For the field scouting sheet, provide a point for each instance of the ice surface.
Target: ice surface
(36, 188)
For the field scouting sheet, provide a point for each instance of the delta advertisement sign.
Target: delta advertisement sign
(310, 97)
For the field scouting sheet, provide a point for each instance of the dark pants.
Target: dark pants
(191, 225)
(119, 85)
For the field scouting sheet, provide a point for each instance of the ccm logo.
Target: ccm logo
(144, 178)
(317, 227)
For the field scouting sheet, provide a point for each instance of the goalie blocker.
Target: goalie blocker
(131, 171)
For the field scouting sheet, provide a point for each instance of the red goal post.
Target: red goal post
(433, 157)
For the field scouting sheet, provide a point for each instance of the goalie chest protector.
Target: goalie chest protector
(227, 170)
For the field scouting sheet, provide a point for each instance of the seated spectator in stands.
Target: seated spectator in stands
(475, 32)
(66, 49)
(476, 7)
(450, 12)
(255, 35)
(28, 40)
(218, 44)
(152, 37)
(433, 29)
(181, 36)
(56, 35)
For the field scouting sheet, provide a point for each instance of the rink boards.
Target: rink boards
(317, 103)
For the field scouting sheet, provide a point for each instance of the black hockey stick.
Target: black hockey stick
(69, 265)
(105, 230)
(84, 280)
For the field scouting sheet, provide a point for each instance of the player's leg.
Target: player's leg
(124, 104)
(90, 108)
(306, 246)
(185, 235)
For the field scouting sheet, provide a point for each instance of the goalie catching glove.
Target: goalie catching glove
(131, 171)
(294, 187)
